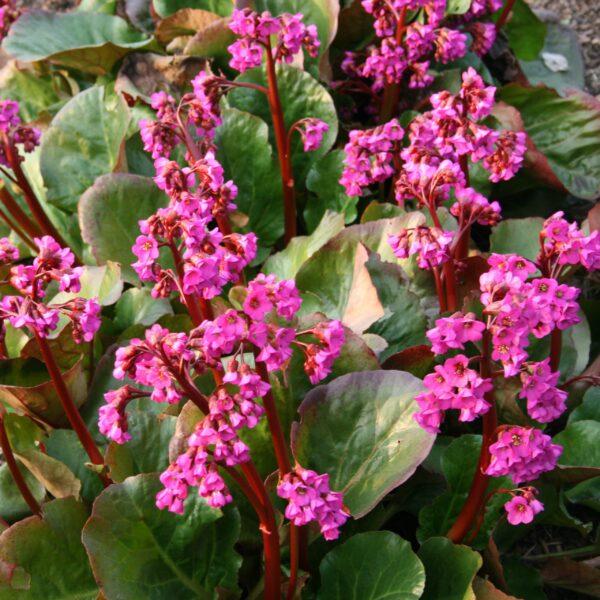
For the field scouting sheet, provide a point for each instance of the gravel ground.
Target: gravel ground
(583, 16)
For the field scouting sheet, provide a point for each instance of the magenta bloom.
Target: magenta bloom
(522, 509)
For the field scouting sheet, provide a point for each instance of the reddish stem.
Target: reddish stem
(439, 290)
(70, 409)
(285, 167)
(477, 494)
(12, 225)
(462, 247)
(18, 214)
(30, 198)
(449, 273)
(391, 91)
(11, 462)
(504, 14)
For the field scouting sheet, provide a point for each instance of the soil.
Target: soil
(583, 16)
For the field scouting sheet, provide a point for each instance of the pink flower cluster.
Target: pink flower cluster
(369, 156)
(565, 244)
(452, 333)
(518, 308)
(545, 402)
(311, 499)
(113, 420)
(8, 251)
(453, 385)
(430, 244)
(524, 453)
(408, 49)
(255, 30)
(52, 263)
(10, 125)
(9, 13)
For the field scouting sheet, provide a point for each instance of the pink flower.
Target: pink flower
(8, 251)
(545, 402)
(453, 332)
(312, 134)
(522, 509)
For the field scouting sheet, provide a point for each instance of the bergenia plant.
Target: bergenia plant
(296, 304)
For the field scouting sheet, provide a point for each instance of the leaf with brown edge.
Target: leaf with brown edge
(187, 21)
(417, 360)
(39, 400)
(486, 590)
(212, 41)
(54, 475)
(572, 575)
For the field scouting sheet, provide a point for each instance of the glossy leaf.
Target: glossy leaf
(323, 180)
(525, 32)
(148, 450)
(247, 157)
(449, 569)
(164, 8)
(372, 566)
(565, 130)
(589, 409)
(12, 505)
(26, 386)
(109, 212)
(581, 444)
(83, 140)
(45, 557)
(87, 41)
(301, 96)
(360, 429)
(137, 307)
(517, 236)
(287, 263)
(139, 551)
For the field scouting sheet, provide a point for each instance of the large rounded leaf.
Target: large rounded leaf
(87, 41)
(247, 157)
(139, 551)
(109, 212)
(565, 130)
(83, 142)
(449, 570)
(44, 558)
(301, 96)
(360, 429)
(372, 566)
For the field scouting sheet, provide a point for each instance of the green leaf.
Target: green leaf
(323, 180)
(459, 463)
(23, 433)
(137, 307)
(86, 41)
(148, 450)
(63, 445)
(517, 236)
(109, 212)
(563, 41)
(12, 505)
(350, 294)
(565, 130)
(212, 42)
(35, 93)
(457, 7)
(360, 429)
(449, 570)
(581, 444)
(247, 157)
(287, 263)
(139, 551)
(526, 33)
(83, 142)
(372, 566)
(589, 409)
(404, 323)
(46, 556)
(26, 386)
(165, 8)
(301, 96)
(102, 283)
